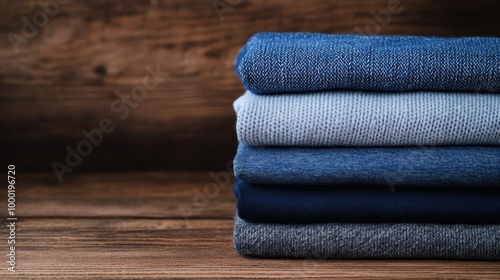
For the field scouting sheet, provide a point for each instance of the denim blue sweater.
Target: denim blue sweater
(305, 62)
(444, 166)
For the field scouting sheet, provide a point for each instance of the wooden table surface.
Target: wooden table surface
(161, 225)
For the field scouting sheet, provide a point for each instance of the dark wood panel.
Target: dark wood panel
(162, 133)
(65, 78)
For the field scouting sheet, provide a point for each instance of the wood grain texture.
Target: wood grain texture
(91, 52)
(122, 226)
(156, 195)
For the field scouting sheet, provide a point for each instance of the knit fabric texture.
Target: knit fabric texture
(364, 241)
(343, 118)
(363, 204)
(441, 166)
(304, 62)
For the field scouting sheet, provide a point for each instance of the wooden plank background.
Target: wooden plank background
(65, 78)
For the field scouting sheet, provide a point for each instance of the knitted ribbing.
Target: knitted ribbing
(346, 118)
(306, 62)
(337, 240)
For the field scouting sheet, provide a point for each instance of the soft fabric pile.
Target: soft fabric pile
(355, 146)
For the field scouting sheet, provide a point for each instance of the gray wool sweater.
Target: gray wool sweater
(368, 241)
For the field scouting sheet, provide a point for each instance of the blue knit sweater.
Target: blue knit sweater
(305, 62)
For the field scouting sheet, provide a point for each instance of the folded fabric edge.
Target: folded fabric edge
(399, 166)
(367, 241)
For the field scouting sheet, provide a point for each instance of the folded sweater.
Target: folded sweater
(304, 62)
(443, 166)
(368, 241)
(344, 118)
(365, 204)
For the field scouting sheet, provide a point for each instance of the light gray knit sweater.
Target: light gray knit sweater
(343, 118)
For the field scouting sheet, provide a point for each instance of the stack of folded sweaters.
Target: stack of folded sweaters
(368, 147)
